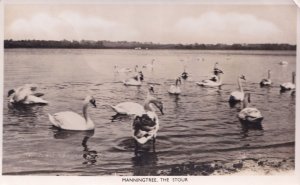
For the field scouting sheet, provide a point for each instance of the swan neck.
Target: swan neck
(293, 79)
(148, 106)
(240, 85)
(85, 114)
(269, 75)
(245, 102)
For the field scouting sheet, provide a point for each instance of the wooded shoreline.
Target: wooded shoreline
(103, 44)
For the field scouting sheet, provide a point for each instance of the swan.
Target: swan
(283, 63)
(132, 108)
(26, 95)
(211, 82)
(150, 66)
(145, 126)
(216, 71)
(72, 121)
(122, 70)
(249, 114)
(175, 89)
(268, 81)
(184, 75)
(238, 95)
(134, 81)
(289, 85)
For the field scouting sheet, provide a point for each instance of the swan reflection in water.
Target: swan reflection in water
(89, 156)
(145, 160)
(22, 110)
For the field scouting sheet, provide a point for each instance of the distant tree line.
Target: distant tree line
(103, 44)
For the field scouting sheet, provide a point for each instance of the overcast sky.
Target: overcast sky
(177, 23)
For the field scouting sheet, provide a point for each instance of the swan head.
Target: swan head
(242, 77)
(159, 105)
(151, 89)
(91, 100)
(218, 71)
(10, 92)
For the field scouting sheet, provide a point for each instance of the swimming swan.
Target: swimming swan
(132, 108)
(134, 81)
(72, 121)
(283, 63)
(184, 75)
(248, 114)
(238, 95)
(145, 126)
(150, 66)
(268, 81)
(175, 89)
(289, 85)
(122, 70)
(212, 82)
(26, 95)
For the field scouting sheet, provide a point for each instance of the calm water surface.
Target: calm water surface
(198, 128)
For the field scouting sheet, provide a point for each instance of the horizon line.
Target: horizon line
(151, 42)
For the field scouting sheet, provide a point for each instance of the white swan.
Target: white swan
(122, 70)
(289, 85)
(216, 71)
(72, 121)
(145, 126)
(268, 81)
(150, 66)
(175, 89)
(26, 95)
(134, 81)
(283, 63)
(249, 114)
(212, 82)
(238, 95)
(132, 108)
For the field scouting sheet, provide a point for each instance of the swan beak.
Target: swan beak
(38, 94)
(10, 92)
(162, 112)
(93, 103)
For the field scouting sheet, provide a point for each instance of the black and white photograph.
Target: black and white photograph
(149, 89)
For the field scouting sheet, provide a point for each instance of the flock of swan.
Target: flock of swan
(146, 123)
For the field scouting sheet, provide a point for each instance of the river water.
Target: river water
(199, 134)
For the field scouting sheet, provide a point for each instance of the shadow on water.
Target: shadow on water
(246, 126)
(24, 112)
(233, 104)
(119, 117)
(144, 161)
(89, 156)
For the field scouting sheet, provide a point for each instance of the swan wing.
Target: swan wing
(34, 100)
(129, 108)
(132, 81)
(209, 83)
(68, 120)
(288, 86)
(172, 89)
(250, 114)
(237, 96)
